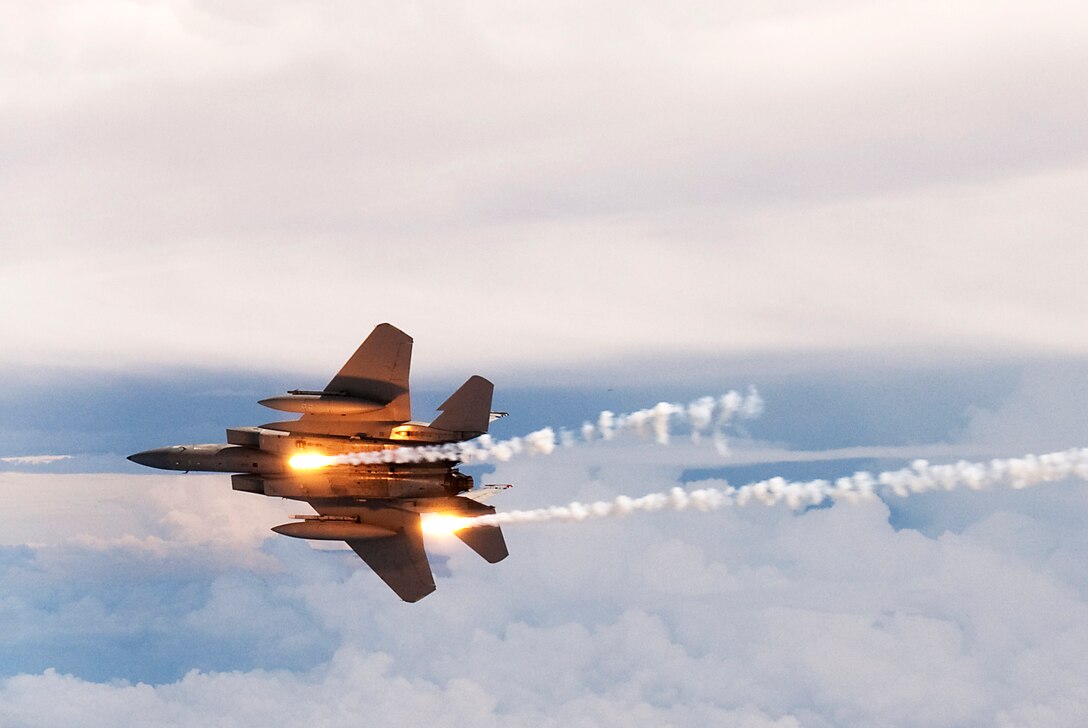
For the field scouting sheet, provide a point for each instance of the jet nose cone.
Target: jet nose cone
(157, 458)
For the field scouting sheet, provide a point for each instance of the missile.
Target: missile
(333, 530)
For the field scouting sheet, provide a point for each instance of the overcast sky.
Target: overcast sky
(874, 212)
(256, 184)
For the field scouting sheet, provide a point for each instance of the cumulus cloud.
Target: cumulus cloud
(757, 617)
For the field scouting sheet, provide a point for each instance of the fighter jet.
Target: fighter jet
(374, 506)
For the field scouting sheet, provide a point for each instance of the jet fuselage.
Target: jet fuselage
(336, 458)
(262, 461)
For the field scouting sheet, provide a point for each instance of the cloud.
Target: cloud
(1040, 412)
(351, 685)
(34, 459)
(169, 509)
(790, 178)
(568, 185)
(750, 616)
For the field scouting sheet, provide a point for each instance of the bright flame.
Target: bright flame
(310, 461)
(442, 525)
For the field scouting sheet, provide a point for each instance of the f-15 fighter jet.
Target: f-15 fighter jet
(374, 506)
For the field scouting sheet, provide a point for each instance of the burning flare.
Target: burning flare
(439, 524)
(311, 461)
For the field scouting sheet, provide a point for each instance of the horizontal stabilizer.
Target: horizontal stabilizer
(486, 492)
(468, 409)
(487, 541)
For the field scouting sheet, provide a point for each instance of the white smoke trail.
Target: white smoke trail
(920, 477)
(705, 415)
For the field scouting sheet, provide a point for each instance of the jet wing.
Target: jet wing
(376, 372)
(401, 563)
(399, 560)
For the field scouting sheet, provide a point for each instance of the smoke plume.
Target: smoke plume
(706, 416)
(920, 477)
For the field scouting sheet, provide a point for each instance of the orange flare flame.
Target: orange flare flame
(310, 461)
(438, 524)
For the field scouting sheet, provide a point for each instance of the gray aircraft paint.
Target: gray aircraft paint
(374, 508)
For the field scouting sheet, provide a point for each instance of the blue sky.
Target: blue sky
(872, 212)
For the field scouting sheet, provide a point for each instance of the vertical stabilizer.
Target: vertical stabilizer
(468, 410)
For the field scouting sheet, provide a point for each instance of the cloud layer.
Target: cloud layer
(570, 188)
(191, 613)
(844, 175)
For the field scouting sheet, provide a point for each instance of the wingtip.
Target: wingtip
(412, 599)
(386, 326)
